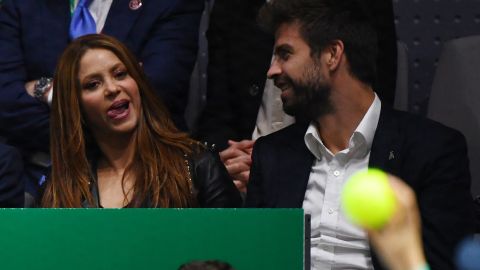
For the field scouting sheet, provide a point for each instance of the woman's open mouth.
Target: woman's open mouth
(119, 109)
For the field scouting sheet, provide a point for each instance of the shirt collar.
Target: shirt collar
(369, 123)
(314, 142)
(365, 132)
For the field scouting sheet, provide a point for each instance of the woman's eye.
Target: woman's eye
(121, 74)
(91, 85)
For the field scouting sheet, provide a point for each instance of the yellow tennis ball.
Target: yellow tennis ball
(368, 200)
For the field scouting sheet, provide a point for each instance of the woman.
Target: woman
(113, 143)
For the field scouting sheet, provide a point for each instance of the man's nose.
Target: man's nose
(274, 70)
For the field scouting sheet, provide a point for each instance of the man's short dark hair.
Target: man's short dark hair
(323, 21)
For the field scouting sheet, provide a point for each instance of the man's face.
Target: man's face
(301, 76)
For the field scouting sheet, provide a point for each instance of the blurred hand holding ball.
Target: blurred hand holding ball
(368, 200)
(394, 230)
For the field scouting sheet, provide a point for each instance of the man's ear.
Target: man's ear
(334, 53)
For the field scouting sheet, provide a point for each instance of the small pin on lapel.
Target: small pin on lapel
(135, 4)
(391, 156)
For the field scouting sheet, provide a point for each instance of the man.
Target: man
(33, 33)
(240, 101)
(324, 63)
(11, 181)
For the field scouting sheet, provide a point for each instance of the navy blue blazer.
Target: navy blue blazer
(430, 157)
(33, 34)
(12, 184)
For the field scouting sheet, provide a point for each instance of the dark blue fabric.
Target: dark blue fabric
(82, 22)
(12, 183)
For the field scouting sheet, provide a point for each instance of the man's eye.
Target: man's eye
(283, 55)
(91, 85)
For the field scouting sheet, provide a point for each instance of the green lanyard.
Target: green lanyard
(72, 6)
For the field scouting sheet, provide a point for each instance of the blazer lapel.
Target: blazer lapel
(386, 150)
(61, 11)
(294, 173)
(386, 146)
(120, 19)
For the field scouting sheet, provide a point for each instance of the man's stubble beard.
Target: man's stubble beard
(312, 96)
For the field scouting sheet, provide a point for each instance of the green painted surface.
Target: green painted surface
(150, 238)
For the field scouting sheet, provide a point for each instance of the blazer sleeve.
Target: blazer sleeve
(215, 188)
(22, 117)
(255, 194)
(169, 54)
(444, 199)
(11, 182)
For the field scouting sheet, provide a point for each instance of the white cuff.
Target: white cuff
(50, 97)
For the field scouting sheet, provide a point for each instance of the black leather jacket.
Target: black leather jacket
(212, 184)
(214, 187)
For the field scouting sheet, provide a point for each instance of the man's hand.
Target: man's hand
(30, 86)
(237, 160)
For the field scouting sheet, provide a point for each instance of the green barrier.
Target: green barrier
(248, 239)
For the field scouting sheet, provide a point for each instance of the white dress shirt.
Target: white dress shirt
(271, 116)
(337, 243)
(99, 10)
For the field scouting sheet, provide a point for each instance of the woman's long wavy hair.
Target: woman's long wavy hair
(161, 175)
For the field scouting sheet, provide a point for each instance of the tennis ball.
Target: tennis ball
(368, 200)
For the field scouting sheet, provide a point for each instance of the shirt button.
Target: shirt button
(336, 173)
(330, 211)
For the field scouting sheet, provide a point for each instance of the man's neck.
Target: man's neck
(335, 129)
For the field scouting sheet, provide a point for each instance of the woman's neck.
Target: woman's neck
(115, 183)
(117, 152)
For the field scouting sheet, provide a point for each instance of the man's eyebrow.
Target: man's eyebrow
(283, 48)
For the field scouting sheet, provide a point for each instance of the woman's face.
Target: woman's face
(109, 96)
